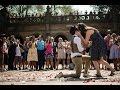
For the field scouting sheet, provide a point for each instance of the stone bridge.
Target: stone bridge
(58, 25)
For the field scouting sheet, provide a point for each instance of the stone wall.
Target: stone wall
(54, 29)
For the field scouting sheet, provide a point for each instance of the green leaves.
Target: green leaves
(23, 10)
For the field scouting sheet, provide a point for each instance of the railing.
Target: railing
(59, 19)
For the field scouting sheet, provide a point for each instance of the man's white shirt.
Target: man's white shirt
(77, 41)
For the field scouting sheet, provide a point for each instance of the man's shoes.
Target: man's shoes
(85, 75)
(59, 75)
(14, 68)
(76, 76)
(41, 69)
(98, 75)
(51, 68)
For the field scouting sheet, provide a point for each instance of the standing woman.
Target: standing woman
(98, 47)
(68, 53)
(113, 56)
(107, 39)
(60, 53)
(5, 51)
(32, 56)
(49, 54)
(25, 53)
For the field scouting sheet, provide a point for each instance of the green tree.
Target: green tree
(106, 8)
(23, 10)
(20, 10)
(39, 8)
(1, 7)
(62, 9)
(102, 8)
(113, 11)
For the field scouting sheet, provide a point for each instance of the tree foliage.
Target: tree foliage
(23, 10)
(61, 9)
(106, 8)
(64, 9)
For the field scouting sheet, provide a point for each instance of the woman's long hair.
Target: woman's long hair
(83, 28)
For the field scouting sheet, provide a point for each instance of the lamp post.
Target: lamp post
(114, 12)
(48, 21)
(1, 52)
(4, 16)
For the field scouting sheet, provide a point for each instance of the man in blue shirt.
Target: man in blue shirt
(40, 51)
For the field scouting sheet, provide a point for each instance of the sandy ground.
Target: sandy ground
(25, 77)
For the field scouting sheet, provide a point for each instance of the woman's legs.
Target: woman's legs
(51, 63)
(63, 63)
(31, 65)
(96, 64)
(68, 60)
(47, 63)
(115, 64)
(20, 62)
(34, 63)
(57, 63)
(102, 61)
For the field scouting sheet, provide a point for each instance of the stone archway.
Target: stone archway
(63, 36)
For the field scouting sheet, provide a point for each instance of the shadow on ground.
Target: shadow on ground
(78, 79)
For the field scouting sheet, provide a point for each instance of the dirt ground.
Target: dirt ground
(26, 77)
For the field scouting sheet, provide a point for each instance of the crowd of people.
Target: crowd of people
(85, 36)
(35, 53)
(113, 49)
(46, 54)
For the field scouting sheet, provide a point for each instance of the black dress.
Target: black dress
(98, 48)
